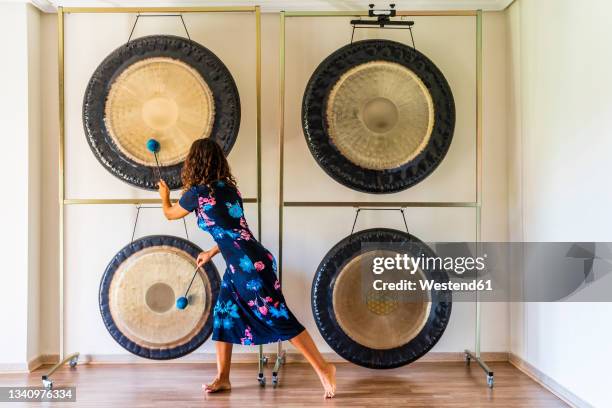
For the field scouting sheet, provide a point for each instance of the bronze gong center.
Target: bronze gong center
(160, 297)
(380, 115)
(161, 98)
(160, 113)
(379, 320)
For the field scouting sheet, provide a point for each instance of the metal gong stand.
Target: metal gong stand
(72, 358)
(382, 20)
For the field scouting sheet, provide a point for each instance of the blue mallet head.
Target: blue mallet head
(182, 302)
(153, 145)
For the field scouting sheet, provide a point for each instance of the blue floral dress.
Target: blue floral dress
(251, 308)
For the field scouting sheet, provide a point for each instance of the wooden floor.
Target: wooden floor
(178, 385)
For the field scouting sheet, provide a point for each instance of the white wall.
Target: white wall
(109, 226)
(14, 291)
(561, 126)
(20, 167)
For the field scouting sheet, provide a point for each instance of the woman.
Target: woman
(251, 308)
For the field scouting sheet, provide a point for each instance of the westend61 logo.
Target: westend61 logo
(412, 264)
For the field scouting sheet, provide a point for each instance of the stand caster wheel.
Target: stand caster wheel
(48, 384)
(274, 380)
(264, 360)
(467, 359)
(261, 379)
(490, 381)
(73, 363)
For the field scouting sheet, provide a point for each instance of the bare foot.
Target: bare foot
(217, 385)
(328, 379)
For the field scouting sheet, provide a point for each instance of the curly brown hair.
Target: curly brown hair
(205, 164)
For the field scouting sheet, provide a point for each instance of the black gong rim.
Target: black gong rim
(330, 329)
(205, 62)
(132, 248)
(315, 126)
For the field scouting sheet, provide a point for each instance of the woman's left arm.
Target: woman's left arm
(172, 212)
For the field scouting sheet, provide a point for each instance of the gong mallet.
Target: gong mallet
(153, 146)
(183, 301)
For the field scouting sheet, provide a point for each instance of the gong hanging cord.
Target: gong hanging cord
(139, 207)
(359, 209)
(157, 15)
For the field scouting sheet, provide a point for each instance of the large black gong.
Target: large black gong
(378, 116)
(159, 87)
(138, 293)
(372, 328)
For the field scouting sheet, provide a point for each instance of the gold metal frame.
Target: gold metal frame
(477, 204)
(361, 13)
(402, 204)
(478, 182)
(129, 10)
(61, 11)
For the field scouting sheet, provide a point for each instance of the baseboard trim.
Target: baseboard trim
(547, 382)
(42, 359)
(12, 368)
(251, 357)
(30, 366)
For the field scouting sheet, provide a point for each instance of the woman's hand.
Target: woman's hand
(172, 212)
(206, 256)
(164, 191)
(203, 258)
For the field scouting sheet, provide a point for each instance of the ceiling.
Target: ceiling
(277, 5)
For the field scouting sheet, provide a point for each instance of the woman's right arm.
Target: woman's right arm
(206, 256)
